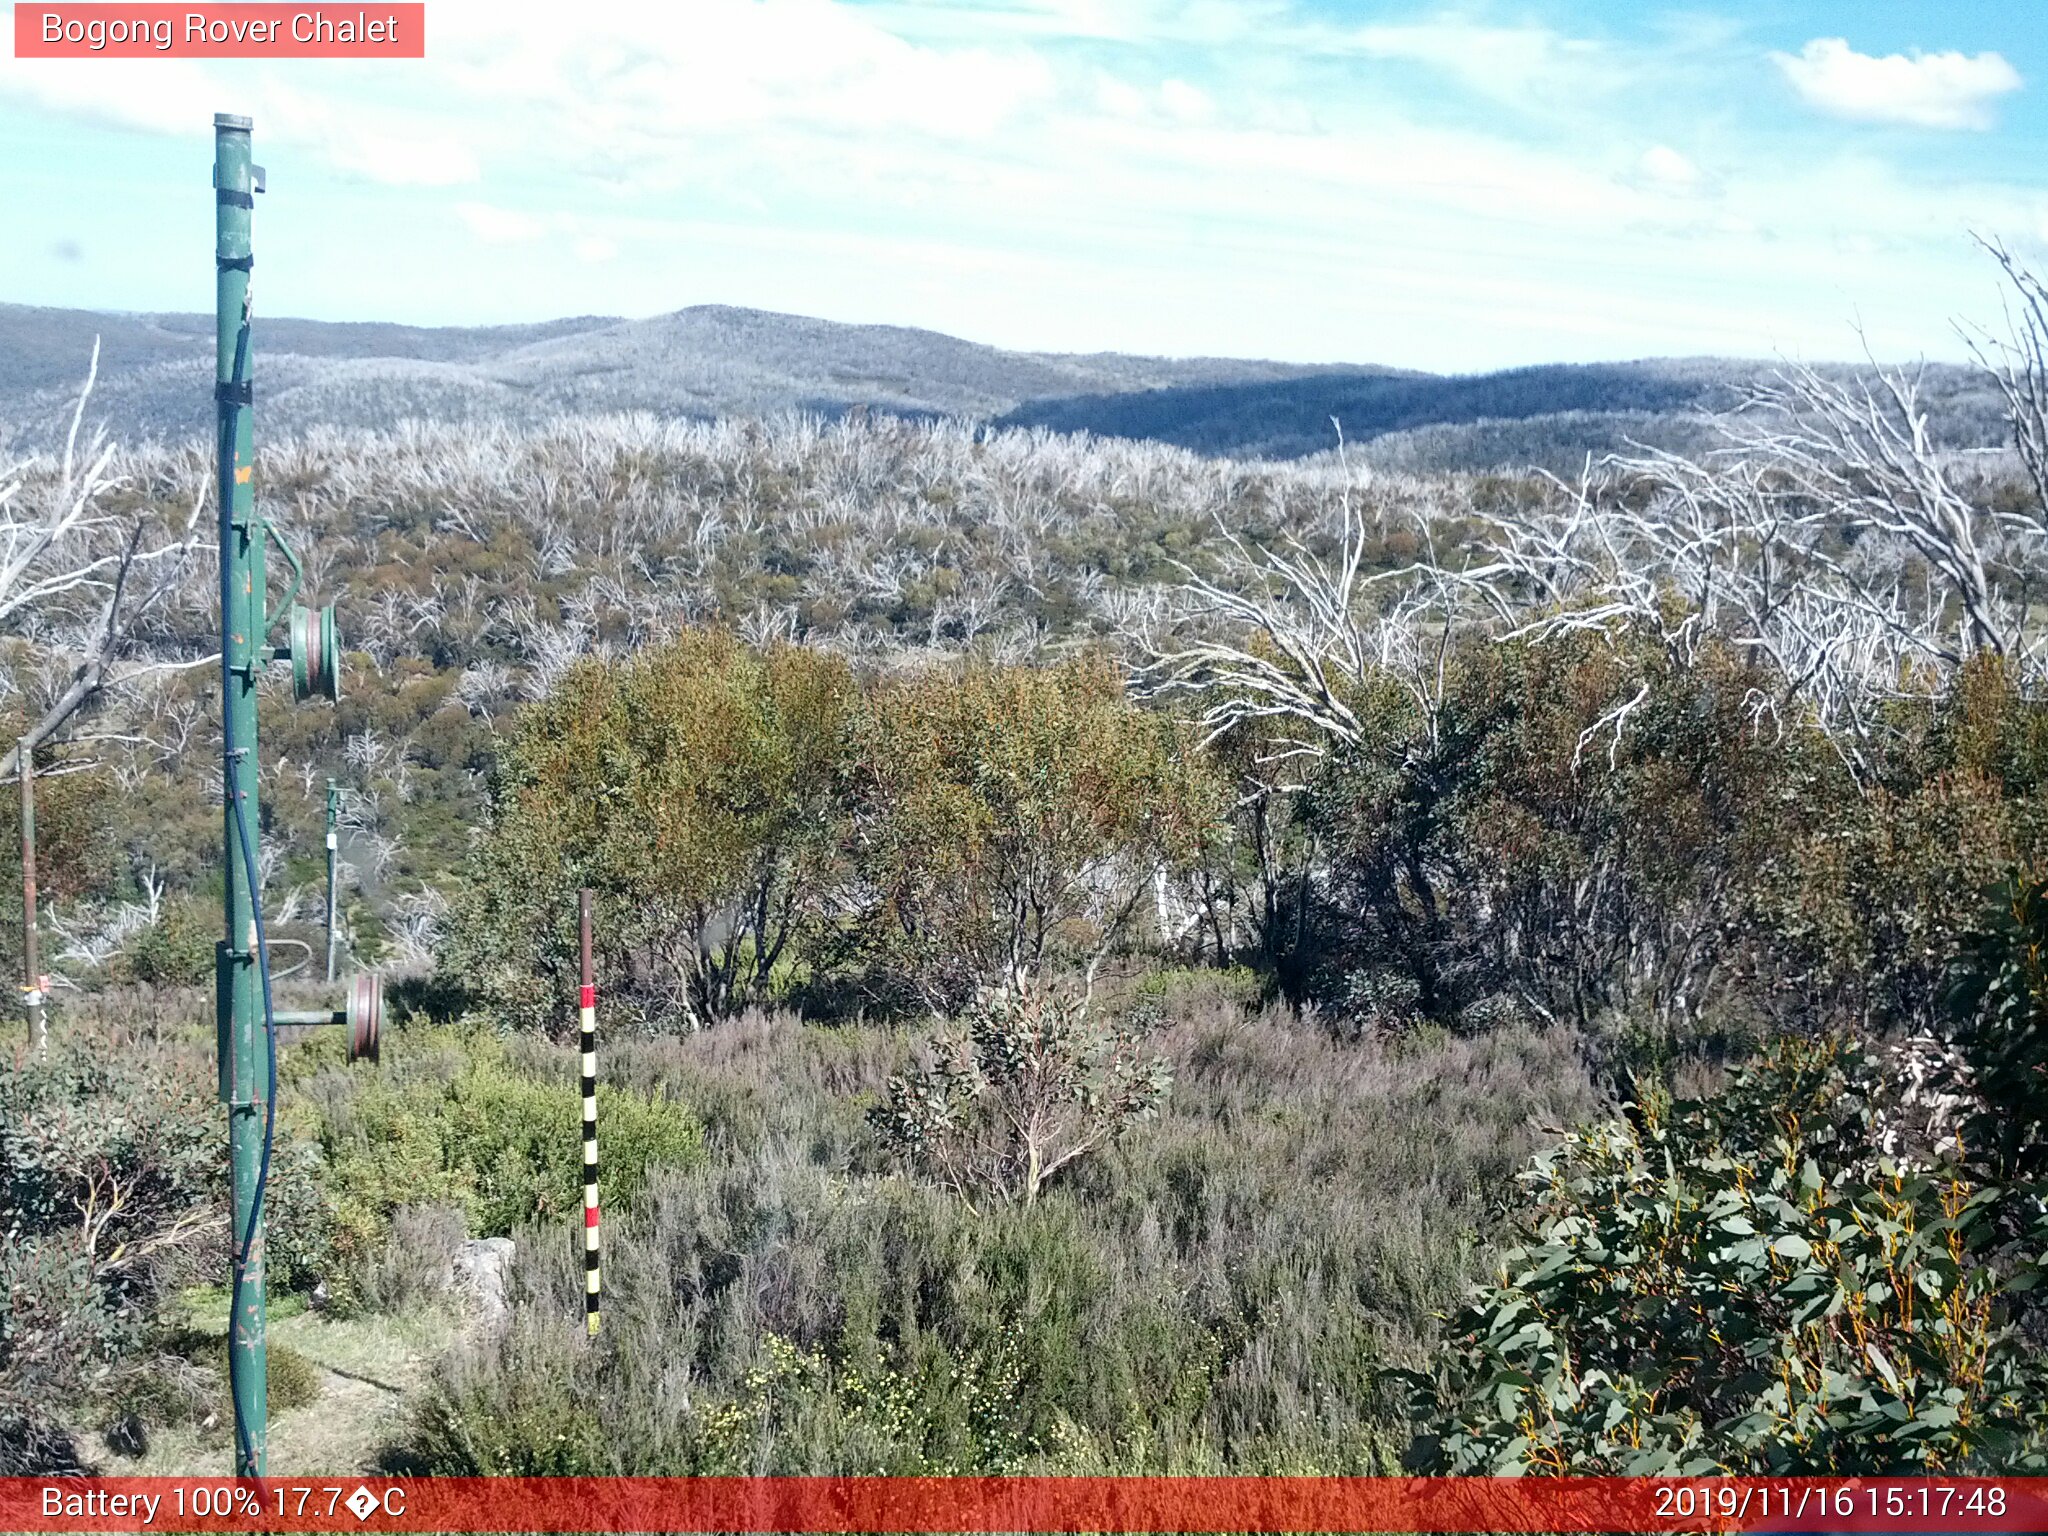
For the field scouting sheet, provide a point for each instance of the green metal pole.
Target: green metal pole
(247, 1067)
(333, 842)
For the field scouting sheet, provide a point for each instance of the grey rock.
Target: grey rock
(478, 1277)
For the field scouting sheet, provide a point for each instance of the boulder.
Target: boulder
(478, 1278)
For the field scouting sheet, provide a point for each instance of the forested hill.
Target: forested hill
(1289, 418)
(703, 362)
(713, 360)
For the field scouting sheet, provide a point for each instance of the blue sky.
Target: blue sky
(1454, 189)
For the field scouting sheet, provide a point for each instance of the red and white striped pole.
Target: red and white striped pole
(593, 1288)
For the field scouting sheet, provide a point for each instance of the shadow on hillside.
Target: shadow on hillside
(1290, 418)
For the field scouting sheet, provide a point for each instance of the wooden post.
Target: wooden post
(31, 957)
(593, 1286)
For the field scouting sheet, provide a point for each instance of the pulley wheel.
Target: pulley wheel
(365, 1015)
(316, 653)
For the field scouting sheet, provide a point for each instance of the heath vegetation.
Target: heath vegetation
(1110, 960)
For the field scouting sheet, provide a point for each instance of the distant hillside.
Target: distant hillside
(708, 361)
(712, 360)
(1553, 414)
(1291, 417)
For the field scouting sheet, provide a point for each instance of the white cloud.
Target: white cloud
(165, 96)
(494, 225)
(1666, 167)
(1502, 62)
(1186, 102)
(500, 226)
(1117, 97)
(632, 74)
(1035, 187)
(176, 98)
(1927, 90)
(1202, 23)
(392, 160)
(1175, 100)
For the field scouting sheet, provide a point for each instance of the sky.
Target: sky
(1454, 189)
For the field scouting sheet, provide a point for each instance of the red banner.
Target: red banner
(215, 31)
(988, 1504)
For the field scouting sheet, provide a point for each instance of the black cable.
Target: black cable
(231, 798)
(269, 1123)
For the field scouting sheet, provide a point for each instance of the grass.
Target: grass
(1221, 1292)
(337, 1386)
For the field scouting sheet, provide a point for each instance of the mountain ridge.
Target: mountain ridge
(704, 360)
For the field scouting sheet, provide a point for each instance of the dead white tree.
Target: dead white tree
(1287, 640)
(83, 579)
(1832, 538)
(1862, 450)
(416, 920)
(2017, 363)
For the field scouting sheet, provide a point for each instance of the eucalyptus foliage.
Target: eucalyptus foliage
(697, 788)
(1011, 818)
(2000, 1000)
(1741, 1285)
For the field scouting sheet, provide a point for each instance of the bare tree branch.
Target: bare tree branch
(68, 563)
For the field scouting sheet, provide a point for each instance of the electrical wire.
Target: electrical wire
(232, 799)
(269, 1128)
(294, 944)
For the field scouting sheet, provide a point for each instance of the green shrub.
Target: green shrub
(178, 949)
(732, 808)
(63, 1331)
(1999, 1002)
(697, 788)
(185, 1378)
(453, 1121)
(113, 1183)
(291, 1381)
(180, 1381)
(413, 1266)
(1011, 817)
(1739, 1285)
(1511, 843)
(77, 816)
(1236, 986)
(1031, 1083)
(466, 1426)
(1713, 876)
